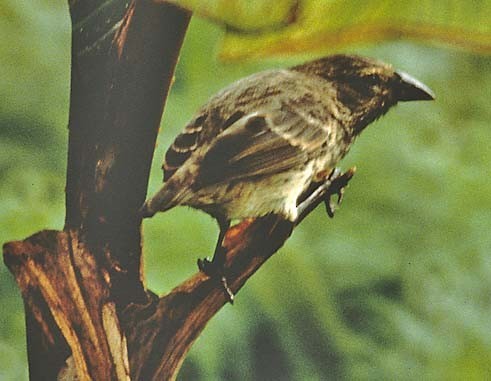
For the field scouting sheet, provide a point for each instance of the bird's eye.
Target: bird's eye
(372, 78)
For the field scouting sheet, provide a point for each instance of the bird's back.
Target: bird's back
(273, 91)
(256, 145)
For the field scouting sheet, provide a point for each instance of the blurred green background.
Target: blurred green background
(396, 286)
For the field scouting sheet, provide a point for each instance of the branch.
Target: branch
(64, 291)
(73, 282)
(121, 74)
(161, 332)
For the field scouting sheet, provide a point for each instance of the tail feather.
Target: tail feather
(166, 198)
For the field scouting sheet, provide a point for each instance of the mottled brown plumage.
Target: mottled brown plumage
(257, 145)
(272, 124)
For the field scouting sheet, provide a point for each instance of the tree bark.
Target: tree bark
(123, 59)
(88, 313)
(68, 308)
(121, 74)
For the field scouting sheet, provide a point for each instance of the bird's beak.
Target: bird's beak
(410, 89)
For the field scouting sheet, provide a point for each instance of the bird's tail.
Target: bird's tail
(170, 195)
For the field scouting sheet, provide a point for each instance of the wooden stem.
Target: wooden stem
(123, 59)
(68, 308)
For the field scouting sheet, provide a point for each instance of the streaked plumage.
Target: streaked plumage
(259, 143)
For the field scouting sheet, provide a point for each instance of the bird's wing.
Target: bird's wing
(259, 144)
(294, 107)
(197, 133)
(183, 146)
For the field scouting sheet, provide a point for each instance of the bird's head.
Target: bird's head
(368, 88)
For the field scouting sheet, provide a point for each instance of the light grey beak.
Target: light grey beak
(410, 89)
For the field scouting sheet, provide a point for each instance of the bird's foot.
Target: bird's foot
(216, 271)
(339, 181)
(335, 183)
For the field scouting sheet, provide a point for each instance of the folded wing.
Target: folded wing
(261, 144)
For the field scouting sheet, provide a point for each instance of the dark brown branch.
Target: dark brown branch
(161, 332)
(116, 105)
(123, 59)
(64, 291)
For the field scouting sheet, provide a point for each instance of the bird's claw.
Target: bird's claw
(205, 266)
(228, 292)
(216, 271)
(339, 182)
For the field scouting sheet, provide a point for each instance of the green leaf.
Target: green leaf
(259, 29)
(244, 16)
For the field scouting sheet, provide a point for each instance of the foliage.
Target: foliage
(396, 286)
(301, 26)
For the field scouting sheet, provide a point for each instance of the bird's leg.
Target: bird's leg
(216, 267)
(334, 184)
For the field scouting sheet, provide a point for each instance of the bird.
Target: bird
(257, 145)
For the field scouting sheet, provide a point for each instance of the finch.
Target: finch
(258, 144)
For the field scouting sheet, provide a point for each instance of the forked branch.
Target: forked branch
(88, 313)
